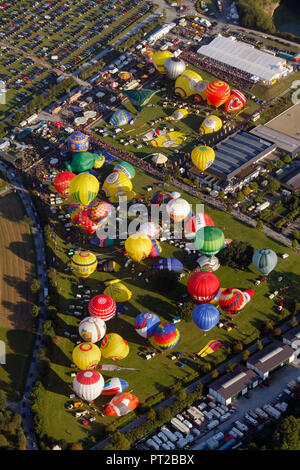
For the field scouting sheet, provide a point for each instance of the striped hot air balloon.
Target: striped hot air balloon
(232, 301)
(166, 336)
(217, 93)
(88, 385)
(146, 323)
(156, 248)
(114, 385)
(102, 306)
(172, 264)
(264, 260)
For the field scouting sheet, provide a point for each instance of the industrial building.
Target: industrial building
(271, 358)
(261, 66)
(234, 384)
(160, 32)
(236, 162)
(292, 339)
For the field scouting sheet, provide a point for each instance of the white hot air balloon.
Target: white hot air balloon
(178, 209)
(92, 329)
(88, 384)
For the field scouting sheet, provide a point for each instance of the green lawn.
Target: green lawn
(160, 372)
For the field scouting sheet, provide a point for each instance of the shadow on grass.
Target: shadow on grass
(22, 249)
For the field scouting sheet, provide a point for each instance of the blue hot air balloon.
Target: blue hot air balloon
(120, 118)
(206, 316)
(264, 260)
(114, 385)
(146, 323)
(172, 264)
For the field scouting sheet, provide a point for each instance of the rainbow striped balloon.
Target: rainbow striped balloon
(167, 336)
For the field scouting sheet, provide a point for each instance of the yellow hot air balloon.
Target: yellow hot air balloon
(122, 195)
(178, 115)
(118, 291)
(114, 347)
(84, 188)
(86, 355)
(116, 182)
(159, 59)
(186, 83)
(170, 139)
(138, 246)
(211, 124)
(84, 263)
(203, 157)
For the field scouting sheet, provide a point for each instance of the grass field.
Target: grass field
(16, 273)
(160, 372)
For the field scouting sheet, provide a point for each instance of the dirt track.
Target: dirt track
(16, 265)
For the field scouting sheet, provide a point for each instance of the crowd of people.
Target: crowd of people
(240, 79)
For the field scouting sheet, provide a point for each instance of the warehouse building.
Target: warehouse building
(261, 66)
(236, 162)
(292, 339)
(271, 358)
(228, 388)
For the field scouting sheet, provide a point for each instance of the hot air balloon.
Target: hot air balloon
(138, 246)
(86, 222)
(208, 264)
(102, 306)
(121, 404)
(102, 242)
(174, 66)
(99, 211)
(168, 139)
(172, 264)
(161, 197)
(206, 316)
(232, 301)
(86, 355)
(159, 59)
(209, 240)
(175, 194)
(248, 293)
(120, 118)
(178, 209)
(74, 211)
(84, 263)
(156, 249)
(115, 182)
(146, 323)
(62, 182)
(122, 196)
(118, 291)
(195, 223)
(78, 142)
(92, 329)
(178, 115)
(203, 157)
(126, 168)
(166, 336)
(88, 385)
(200, 91)
(235, 102)
(203, 286)
(217, 93)
(84, 188)
(186, 83)
(114, 347)
(211, 124)
(264, 260)
(151, 229)
(108, 266)
(114, 385)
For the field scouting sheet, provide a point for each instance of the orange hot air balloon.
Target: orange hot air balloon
(62, 182)
(217, 93)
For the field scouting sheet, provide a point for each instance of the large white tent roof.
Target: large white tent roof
(244, 57)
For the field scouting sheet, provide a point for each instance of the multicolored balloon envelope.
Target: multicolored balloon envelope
(167, 336)
(172, 264)
(102, 306)
(210, 348)
(203, 157)
(62, 182)
(151, 229)
(232, 301)
(161, 197)
(196, 222)
(86, 355)
(120, 118)
(126, 168)
(86, 222)
(74, 211)
(114, 347)
(78, 142)
(235, 102)
(206, 316)
(186, 83)
(156, 249)
(203, 286)
(121, 404)
(92, 329)
(217, 93)
(102, 242)
(146, 323)
(99, 211)
(88, 385)
(264, 260)
(114, 385)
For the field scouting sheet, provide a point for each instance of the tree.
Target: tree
(270, 166)
(168, 178)
(277, 332)
(279, 164)
(260, 225)
(181, 395)
(238, 347)
(247, 190)
(259, 345)
(187, 309)
(295, 244)
(237, 255)
(273, 186)
(48, 329)
(230, 367)
(229, 208)
(35, 311)
(151, 415)
(3, 404)
(240, 196)
(287, 434)
(287, 158)
(254, 186)
(3, 442)
(246, 354)
(76, 446)
(110, 428)
(35, 286)
(214, 374)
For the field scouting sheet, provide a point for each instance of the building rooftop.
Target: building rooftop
(282, 140)
(234, 382)
(293, 334)
(244, 57)
(270, 356)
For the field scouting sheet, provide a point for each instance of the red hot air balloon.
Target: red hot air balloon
(203, 286)
(235, 102)
(195, 223)
(217, 93)
(62, 182)
(102, 306)
(232, 301)
(86, 222)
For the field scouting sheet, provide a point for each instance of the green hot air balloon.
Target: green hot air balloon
(264, 260)
(209, 240)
